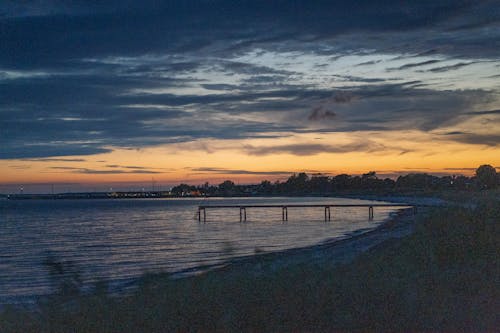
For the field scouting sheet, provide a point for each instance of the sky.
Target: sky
(124, 94)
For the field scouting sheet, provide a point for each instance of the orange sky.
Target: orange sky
(218, 160)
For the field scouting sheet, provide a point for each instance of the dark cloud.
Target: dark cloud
(352, 78)
(460, 169)
(31, 8)
(371, 62)
(454, 133)
(59, 128)
(55, 159)
(324, 110)
(133, 167)
(417, 64)
(492, 140)
(98, 172)
(395, 174)
(428, 53)
(103, 172)
(198, 26)
(15, 150)
(246, 68)
(124, 166)
(237, 171)
(227, 87)
(398, 107)
(19, 167)
(319, 113)
(82, 78)
(64, 168)
(343, 97)
(450, 67)
(314, 149)
(486, 112)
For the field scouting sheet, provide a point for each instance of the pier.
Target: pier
(202, 210)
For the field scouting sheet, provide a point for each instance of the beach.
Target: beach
(337, 251)
(331, 252)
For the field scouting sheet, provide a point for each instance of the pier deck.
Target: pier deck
(284, 209)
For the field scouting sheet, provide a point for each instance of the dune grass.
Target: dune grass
(443, 277)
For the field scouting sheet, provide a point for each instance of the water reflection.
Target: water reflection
(122, 239)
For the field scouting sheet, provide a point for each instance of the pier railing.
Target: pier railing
(202, 210)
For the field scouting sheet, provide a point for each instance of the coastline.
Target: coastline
(340, 250)
(331, 252)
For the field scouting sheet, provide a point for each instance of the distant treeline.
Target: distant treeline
(485, 177)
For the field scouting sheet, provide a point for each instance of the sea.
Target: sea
(119, 240)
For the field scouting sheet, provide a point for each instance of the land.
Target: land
(438, 271)
(301, 184)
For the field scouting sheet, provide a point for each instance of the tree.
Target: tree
(266, 187)
(369, 180)
(486, 176)
(320, 184)
(297, 183)
(342, 182)
(183, 189)
(227, 188)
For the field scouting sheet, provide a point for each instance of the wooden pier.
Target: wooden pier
(202, 210)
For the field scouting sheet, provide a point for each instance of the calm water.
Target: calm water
(119, 240)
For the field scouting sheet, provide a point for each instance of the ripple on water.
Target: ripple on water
(120, 240)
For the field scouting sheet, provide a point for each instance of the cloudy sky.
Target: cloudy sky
(126, 92)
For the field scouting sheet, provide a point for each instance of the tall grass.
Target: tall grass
(444, 277)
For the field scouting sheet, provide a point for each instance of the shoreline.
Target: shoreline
(340, 250)
(397, 225)
(330, 252)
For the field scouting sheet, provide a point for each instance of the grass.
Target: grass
(444, 277)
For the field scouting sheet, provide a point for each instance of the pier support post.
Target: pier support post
(204, 214)
(415, 210)
(243, 214)
(284, 213)
(327, 213)
(370, 212)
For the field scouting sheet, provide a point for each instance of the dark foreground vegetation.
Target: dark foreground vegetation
(443, 277)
